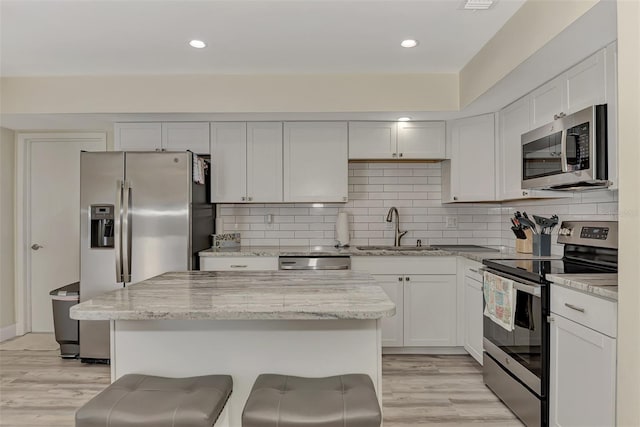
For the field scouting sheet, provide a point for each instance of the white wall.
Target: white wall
(414, 188)
(629, 273)
(7, 190)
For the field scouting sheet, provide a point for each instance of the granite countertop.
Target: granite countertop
(603, 285)
(275, 251)
(243, 295)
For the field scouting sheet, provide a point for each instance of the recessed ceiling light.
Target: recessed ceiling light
(477, 4)
(198, 44)
(404, 119)
(409, 43)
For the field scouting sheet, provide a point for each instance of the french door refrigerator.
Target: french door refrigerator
(141, 214)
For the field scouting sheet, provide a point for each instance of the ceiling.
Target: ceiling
(106, 37)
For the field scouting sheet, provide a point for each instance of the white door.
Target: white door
(421, 140)
(54, 222)
(228, 162)
(182, 136)
(393, 327)
(137, 136)
(586, 85)
(373, 140)
(264, 162)
(547, 101)
(315, 162)
(430, 310)
(473, 318)
(514, 121)
(582, 389)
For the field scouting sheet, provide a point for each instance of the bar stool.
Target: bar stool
(148, 401)
(288, 401)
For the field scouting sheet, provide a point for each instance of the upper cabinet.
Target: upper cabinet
(168, 136)
(396, 140)
(470, 174)
(580, 87)
(246, 162)
(315, 162)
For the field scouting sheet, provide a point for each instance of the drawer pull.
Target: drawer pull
(238, 266)
(573, 307)
(474, 270)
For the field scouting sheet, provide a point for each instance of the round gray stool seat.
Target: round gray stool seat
(287, 401)
(148, 401)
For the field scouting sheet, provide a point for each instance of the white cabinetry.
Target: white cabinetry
(178, 136)
(393, 140)
(471, 278)
(429, 310)
(168, 136)
(228, 162)
(393, 327)
(315, 162)
(424, 291)
(582, 390)
(470, 174)
(246, 162)
(422, 140)
(137, 136)
(241, 263)
(577, 88)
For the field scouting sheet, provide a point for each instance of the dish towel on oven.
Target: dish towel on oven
(499, 297)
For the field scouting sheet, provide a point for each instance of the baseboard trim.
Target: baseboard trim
(424, 350)
(8, 332)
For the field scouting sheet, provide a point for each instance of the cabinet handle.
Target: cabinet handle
(400, 154)
(407, 278)
(243, 198)
(394, 154)
(455, 198)
(399, 279)
(249, 198)
(524, 193)
(550, 319)
(574, 307)
(474, 270)
(238, 266)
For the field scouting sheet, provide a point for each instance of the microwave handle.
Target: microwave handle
(563, 153)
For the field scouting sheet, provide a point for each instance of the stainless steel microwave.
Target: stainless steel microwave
(569, 153)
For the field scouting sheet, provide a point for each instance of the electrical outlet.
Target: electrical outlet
(451, 222)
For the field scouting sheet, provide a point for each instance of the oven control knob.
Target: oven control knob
(565, 232)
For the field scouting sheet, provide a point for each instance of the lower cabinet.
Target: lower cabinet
(429, 310)
(424, 291)
(473, 319)
(582, 388)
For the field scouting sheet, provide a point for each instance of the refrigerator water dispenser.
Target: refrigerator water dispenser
(102, 226)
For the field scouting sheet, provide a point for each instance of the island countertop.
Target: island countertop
(243, 295)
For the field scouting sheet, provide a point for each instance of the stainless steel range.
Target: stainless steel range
(516, 362)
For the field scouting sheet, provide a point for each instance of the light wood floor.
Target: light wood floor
(37, 388)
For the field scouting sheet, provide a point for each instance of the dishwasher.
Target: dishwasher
(314, 263)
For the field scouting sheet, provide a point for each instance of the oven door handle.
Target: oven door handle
(535, 290)
(531, 290)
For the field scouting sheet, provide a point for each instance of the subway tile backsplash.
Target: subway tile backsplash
(415, 189)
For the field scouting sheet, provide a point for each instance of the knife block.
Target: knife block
(525, 246)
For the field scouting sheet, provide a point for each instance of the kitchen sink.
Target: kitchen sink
(396, 248)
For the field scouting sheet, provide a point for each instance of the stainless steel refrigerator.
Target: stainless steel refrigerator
(141, 214)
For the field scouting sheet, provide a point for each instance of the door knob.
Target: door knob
(36, 246)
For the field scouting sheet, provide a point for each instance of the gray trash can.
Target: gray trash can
(65, 327)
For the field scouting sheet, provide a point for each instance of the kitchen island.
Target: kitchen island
(307, 323)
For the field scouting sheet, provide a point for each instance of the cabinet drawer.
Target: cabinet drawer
(238, 263)
(588, 310)
(399, 264)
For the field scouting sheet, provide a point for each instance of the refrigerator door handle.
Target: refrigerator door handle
(117, 231)
(126, 232)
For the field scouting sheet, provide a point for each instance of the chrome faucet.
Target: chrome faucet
(398, 234)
